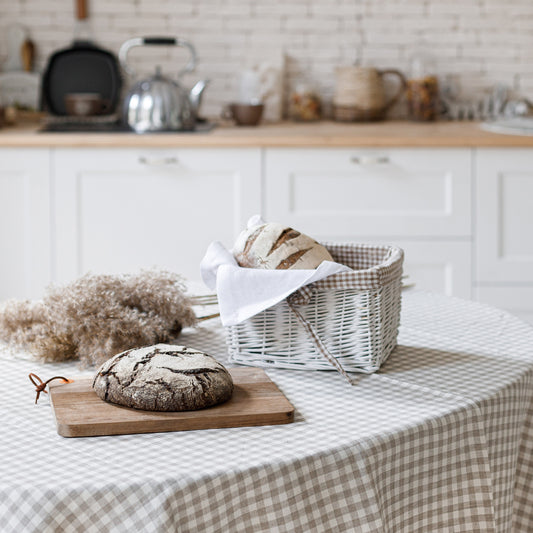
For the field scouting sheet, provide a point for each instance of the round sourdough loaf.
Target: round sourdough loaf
(163, 377)
(276, 246)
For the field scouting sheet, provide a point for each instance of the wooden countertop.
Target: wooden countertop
(321, 134)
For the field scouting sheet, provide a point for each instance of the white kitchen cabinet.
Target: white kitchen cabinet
(24, 222)
(119, 210)
(416, 199)
(514, 299)
(352, 192)
(67, 211)
(435, 266)
(504, 216)
(438, 266)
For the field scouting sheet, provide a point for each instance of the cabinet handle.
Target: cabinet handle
(370, 160)
(158, 161)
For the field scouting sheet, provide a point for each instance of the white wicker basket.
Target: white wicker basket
(348, 321)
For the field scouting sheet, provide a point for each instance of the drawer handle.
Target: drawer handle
(158, 161)
(370, 160)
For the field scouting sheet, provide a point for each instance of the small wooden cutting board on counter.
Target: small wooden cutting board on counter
(256, 401)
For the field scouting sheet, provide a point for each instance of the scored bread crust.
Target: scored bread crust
(163, 377)
(275, 246)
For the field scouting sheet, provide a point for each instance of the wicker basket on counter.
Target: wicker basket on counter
(348, 321)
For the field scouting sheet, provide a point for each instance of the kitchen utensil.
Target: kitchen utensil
(490, 106)
(159, 103)
(85, 104)
(245, 114)
(27, 54)
(15, 37)
(19, 87)
(262, 83)
(360, 93)
(256, 401)
(256, 83)
(82, 68)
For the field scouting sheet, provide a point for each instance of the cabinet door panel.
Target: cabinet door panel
(436, 266)
(122, 210)
(516, 300)
(443, 267)
(24, 223)
(504, 215)
(393, 192)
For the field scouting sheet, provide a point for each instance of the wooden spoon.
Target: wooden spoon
(27, 53)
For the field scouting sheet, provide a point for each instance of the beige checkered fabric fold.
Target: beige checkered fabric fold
(374, 266)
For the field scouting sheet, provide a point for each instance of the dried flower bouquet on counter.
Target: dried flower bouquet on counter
(98, 316)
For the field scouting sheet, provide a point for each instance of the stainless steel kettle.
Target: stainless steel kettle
(159, 103)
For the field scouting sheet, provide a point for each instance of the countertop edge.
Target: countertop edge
(392, 134)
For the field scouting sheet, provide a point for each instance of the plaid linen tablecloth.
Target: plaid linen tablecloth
(439, 440)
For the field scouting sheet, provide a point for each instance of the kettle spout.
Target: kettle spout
(195, 94)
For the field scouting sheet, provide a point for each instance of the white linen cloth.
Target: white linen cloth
(440, 439)
(244, 292)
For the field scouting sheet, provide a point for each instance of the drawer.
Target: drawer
(124, 210)
(518, 300)
(392, 192)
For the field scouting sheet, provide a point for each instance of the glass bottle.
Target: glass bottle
(304, 103)
(423, 88)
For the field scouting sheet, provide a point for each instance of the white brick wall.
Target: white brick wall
(476, 42)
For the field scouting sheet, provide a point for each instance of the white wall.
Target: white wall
(479, 42)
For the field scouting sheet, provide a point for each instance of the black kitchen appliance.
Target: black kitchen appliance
(82, 68)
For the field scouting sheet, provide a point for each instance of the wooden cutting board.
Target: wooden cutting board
(256, 401)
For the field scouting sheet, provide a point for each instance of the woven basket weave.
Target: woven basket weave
(348, 321)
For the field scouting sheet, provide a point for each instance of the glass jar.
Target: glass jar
(304, 104)
(423, 88)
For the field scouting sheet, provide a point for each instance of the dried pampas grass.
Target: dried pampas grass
(98, 316)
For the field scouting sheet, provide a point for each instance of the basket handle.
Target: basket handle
(321, 347)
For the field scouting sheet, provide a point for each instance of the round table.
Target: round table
(440, 439)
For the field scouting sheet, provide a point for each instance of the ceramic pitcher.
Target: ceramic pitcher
(360, 93)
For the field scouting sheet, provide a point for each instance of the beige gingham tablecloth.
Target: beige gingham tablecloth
(439, 440)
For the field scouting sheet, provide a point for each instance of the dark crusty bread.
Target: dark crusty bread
(278, 247)
(163, 377)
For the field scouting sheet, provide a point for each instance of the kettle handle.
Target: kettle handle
(157, 41)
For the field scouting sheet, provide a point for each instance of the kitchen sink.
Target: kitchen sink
(510, 126)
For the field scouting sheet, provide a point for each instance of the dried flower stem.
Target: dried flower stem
(207, 299)
(207, 317)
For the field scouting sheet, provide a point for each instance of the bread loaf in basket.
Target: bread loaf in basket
(279, 247)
